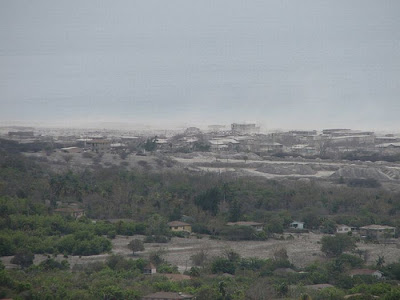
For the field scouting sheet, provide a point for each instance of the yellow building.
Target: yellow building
(180, 226)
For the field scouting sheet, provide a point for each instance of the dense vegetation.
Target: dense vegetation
(30, 192)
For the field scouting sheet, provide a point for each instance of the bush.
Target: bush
(23, 258)
(200, 228)
(117, 263)
(156, 239)
(136, 245)
(87, 155)
(223, 265)
(194, 272)
(199, 258)
(180, 234)
(252, 263)
(51, 264)
(368, 183)
(83, 243)
(237, 233)
(336, 245)
(330, 293)
(392, 271)
(167, 268)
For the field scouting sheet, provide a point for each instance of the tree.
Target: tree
(136, 245)
(199, 258)
(235, 211)
(151, 144)
(209, 200)
(157, 225)
(237, 233)
(281, 254)
(312, 220)
(232, 255)
(223, 265)
(323, 145)
(67, 158)
(23, 258)
(156, 257)
(380, 261)
(336, 245)
(282, 289)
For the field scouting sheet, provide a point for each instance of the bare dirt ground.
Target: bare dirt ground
(302, 250)
(291, 168)
(270, 168)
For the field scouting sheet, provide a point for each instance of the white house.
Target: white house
(297, 225)
(344, 229)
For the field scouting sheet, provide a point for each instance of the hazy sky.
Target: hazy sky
(284, 64)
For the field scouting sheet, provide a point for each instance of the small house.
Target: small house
(71, 150)
(296, 225)
(377, 232)
(257, 226)
(344, 229)
(150, 269)
(271, 147)
(99, 145)
(168, 296)
(71, 211)
(179, 226)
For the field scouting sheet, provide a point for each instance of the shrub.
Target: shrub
(199, 258)
(136, 245)
(336, 245)
(156, 239)
(200, 228)
(51, 264)
(223, 265)
(237, 233)
(23, 258)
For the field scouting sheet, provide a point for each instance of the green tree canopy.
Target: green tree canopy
(336, 245)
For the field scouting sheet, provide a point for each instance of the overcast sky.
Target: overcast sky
(283, 64)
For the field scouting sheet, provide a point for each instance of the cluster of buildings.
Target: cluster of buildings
(247, 138)
(238, 137)
(378, 233)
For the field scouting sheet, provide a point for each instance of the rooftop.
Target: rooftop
(386, 145)
(178, 223)
(377, 227)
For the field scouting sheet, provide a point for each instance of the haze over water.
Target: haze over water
(284, 64)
